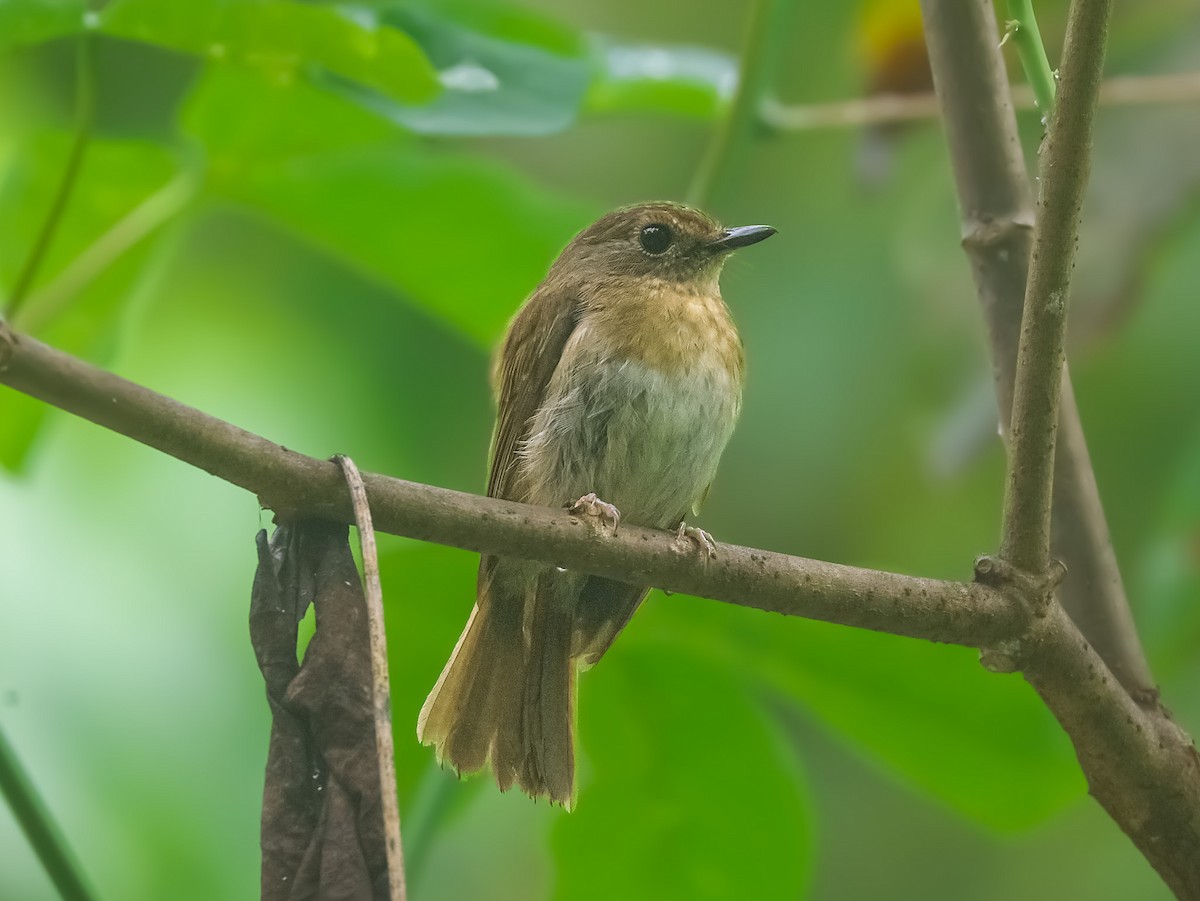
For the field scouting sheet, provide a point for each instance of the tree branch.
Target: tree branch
(291, 483)
(1122, 90)
(1066, 163)
(1140, 766)
(1124, 741)
(997, 226)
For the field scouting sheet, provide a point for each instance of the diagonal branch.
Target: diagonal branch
(42, 832)
(290, 483)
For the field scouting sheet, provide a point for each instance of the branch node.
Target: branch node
(8, 345)
(1003, 658)
(1032, 594)
(983, 232)
(1035, 592)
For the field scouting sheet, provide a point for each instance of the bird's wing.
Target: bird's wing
(605, 607)
(531, 352)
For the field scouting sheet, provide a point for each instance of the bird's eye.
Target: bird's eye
(656, 239)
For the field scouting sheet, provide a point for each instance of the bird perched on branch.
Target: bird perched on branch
(619, 382)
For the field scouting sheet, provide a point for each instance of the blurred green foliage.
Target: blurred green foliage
(360, 197)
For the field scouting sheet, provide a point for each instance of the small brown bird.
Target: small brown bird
(618, 383)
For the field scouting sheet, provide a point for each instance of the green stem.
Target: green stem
(1023, 28)
(85, 108)
(159, 208)
(763, 38)
(34, 820)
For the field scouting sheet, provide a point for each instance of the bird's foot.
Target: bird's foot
(690, 538)
(604, 515)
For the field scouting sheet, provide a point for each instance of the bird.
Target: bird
(618, 384)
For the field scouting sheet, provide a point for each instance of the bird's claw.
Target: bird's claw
(600, 512)
(698, 538)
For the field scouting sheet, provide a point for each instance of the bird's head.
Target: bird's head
(662, 240)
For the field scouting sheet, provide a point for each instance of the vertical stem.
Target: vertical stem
(385, 751)
(35, 821)
(1027, 38)
(1066, 164)
(85, 106)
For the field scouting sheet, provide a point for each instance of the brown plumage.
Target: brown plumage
(621, 375)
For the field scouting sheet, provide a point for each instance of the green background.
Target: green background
(360, 197)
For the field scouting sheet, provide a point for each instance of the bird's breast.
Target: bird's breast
(640, 415)
(669, 328)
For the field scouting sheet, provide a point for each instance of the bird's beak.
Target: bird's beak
(742, 236)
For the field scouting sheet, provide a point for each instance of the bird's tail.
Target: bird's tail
(507, 694)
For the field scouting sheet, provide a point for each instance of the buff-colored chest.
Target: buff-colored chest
(669, 328)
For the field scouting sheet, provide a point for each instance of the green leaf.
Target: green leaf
(523, 78)
(461, 237)
(506, 22)
(517, 73)
(281, 38)
(688, 81)
(980, 742)
(33, 21)
(686, 791)
(464, 238)
(248, 122)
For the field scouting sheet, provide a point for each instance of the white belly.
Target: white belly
(642, 440)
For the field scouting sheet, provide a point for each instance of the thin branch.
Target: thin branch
(381, 693)
(1023, 29)
(757, 63)
(1065, 166)
(85, 107)
(1112, 735)
(39, 828)
(1127, 90)
(291, 483)
(1094, 595)
(997, 226)
(1064, 668)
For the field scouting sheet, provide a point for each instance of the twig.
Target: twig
(1023, 28)
(997, 225)
(85, 105)
(1066, 163)
(757, 64)
(1127, 90)
(382, 694)
(35, 821)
